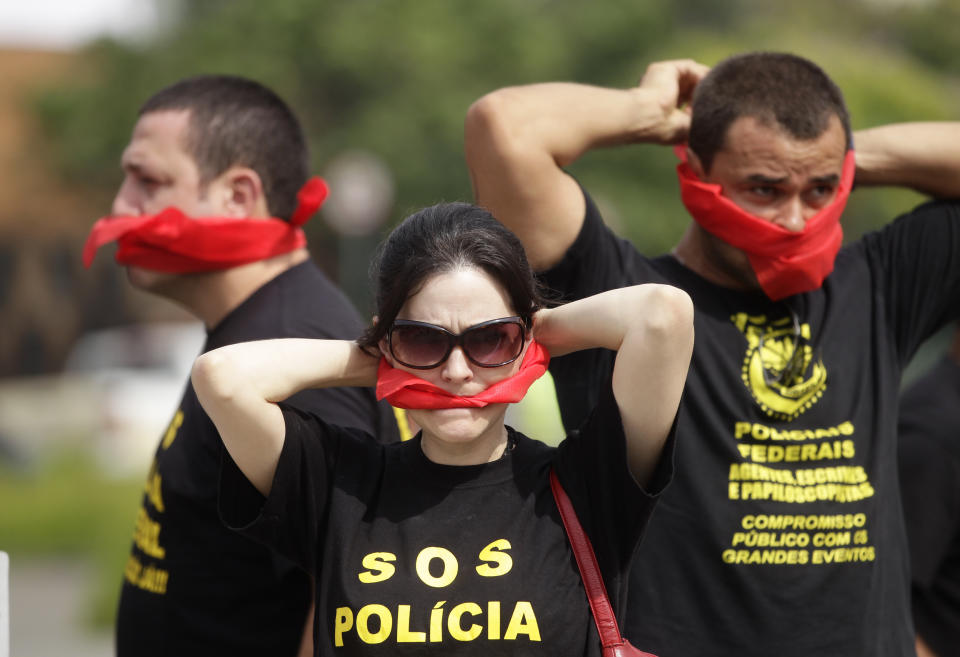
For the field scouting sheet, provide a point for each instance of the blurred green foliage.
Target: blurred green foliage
(396, 77)
(65, 508)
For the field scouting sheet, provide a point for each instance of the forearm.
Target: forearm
(607, 319)
(238, 386)
(273, 370)
(518, 140)
(598, 321)
(651, 328)
(561, 120)
(922, 156)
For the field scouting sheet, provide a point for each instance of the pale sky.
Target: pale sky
(67, 24)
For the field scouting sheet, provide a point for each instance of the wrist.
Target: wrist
(654, 120)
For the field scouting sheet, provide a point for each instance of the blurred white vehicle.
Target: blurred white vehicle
(116, 395)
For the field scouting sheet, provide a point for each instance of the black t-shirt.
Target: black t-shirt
(412, 557)
(930, 480)
(782, 533)
(191, 586)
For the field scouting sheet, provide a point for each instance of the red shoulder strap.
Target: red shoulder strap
(587, 563)
(603, 616)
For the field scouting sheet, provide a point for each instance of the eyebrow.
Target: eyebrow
(830, 179)
(767, 180)
(135, 167)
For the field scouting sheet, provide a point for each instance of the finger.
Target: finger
(689, 77)
(675, 79)
(685, 88)
(678, 68)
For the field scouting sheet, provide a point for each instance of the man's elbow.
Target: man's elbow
(485, 113)
(492, 128)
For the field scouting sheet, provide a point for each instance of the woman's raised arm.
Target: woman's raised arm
(651, 329)
(239, 386)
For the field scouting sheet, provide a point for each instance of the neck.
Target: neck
(214, 295)
(715, 260)
(486, 448)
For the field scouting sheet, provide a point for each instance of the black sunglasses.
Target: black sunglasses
(423, 346)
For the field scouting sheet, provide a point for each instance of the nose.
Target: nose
(456, 368)
(792, 215)
(126, 203)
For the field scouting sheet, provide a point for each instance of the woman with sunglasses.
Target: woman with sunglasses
(450, 543)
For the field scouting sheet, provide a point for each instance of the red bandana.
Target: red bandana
(785, 262)
(405, 390)
(173, 242)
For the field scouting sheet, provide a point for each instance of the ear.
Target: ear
(240, 193)
(385, 351)
(383, 345)
(695, 164)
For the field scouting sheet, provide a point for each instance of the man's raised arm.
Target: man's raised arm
(518, 139)
(922, 156)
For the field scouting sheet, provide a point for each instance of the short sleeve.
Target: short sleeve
(918, 256)
(288, 519)
(598, 260)
(592, 466)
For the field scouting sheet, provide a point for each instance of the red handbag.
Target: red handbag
(614, 645)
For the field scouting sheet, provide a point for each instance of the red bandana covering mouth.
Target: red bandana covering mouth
(172, 242)
(785, 262)
(405, 390)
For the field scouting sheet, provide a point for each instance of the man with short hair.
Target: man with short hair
(781, 533)
(215, 188)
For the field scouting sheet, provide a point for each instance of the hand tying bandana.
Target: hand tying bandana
(785, 262)
(405, 390)
(173, 242)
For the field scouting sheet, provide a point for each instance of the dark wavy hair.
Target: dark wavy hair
(442, 238)
(235, 121)
(777, 89)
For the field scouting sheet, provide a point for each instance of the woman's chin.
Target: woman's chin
(457, 425)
